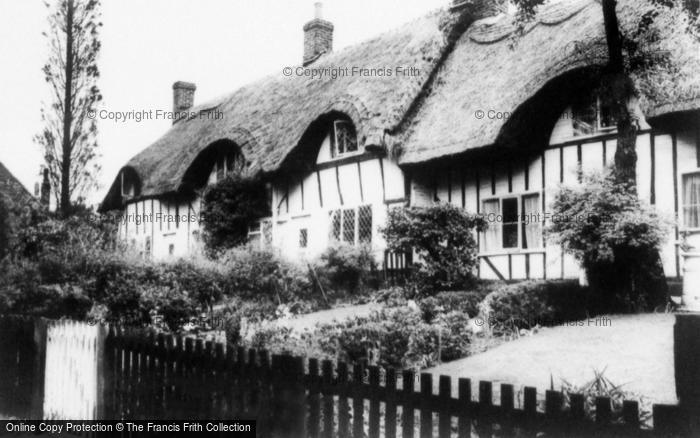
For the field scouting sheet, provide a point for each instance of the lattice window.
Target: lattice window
(335, 225)
(303, 238)
(364, 224)
(351, 225)
(344, 137)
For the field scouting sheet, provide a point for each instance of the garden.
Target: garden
(75, 268)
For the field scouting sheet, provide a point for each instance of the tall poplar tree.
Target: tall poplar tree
(69, 135)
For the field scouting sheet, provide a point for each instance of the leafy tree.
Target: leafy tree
(68, 138)
(633, 52)
(228, 209)
(443, 238)
(615, 237)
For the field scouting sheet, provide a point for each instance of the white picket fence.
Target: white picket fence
(71, 379)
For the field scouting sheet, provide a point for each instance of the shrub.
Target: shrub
(443, 238)
(601, 386)
(528, 304)
(228, 208)
(23, 293)
(396, 338)
(380, 338)
(465, 301)
(445, 340)
(252, 273)
(391, 297)
(346, 268)
(615, 237)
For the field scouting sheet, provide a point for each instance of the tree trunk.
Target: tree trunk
(67, 114)
(620, 89)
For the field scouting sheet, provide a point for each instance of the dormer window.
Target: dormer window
(591, 116)
(127, 187)
(344, 138)
(230, 163)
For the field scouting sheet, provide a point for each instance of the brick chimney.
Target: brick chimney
(318, 36)
(183, 98)
(45, 198)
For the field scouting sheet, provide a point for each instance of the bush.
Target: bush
(528, 304)
(443, 237)
(445, 340)
(391, 297)
(229, 207)
(396, 338)
(346, 268)
(465, 301)
(23, 293)
(616, 238)
(252, 273)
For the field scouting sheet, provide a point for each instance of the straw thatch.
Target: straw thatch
(11, 188)
(489, 70)
(423, 117)
(266, 119)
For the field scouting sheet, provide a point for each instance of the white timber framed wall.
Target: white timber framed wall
(161, 228)
(664, 159)
(355, 188)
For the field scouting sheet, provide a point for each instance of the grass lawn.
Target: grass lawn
(635, 350)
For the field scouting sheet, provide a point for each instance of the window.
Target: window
(531, 219)
(491, 211)
(303, 238)
(364, 224)
(691, 200)
(344, 138)
(591, 116)
(255, 233)
(351, 225)
(171, 249)
(126, 186)
(260, 233)
(510, 222)
(514, 222)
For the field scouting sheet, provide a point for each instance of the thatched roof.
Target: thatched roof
(426, 116)
(11, 188)
(268, 118)
(489, 70)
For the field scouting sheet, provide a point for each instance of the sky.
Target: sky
(220, 45)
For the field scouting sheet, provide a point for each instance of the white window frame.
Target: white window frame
(599, 130)
(335, 152)
(682, 202)
(519, 248)
(356, 225)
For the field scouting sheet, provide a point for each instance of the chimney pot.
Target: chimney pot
(183, 99)
(318, 36)
(45, 199)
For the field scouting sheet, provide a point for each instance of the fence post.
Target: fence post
(37, 409)
(686, 346)
(103, 368)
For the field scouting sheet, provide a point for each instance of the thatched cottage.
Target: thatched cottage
(449, 108)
